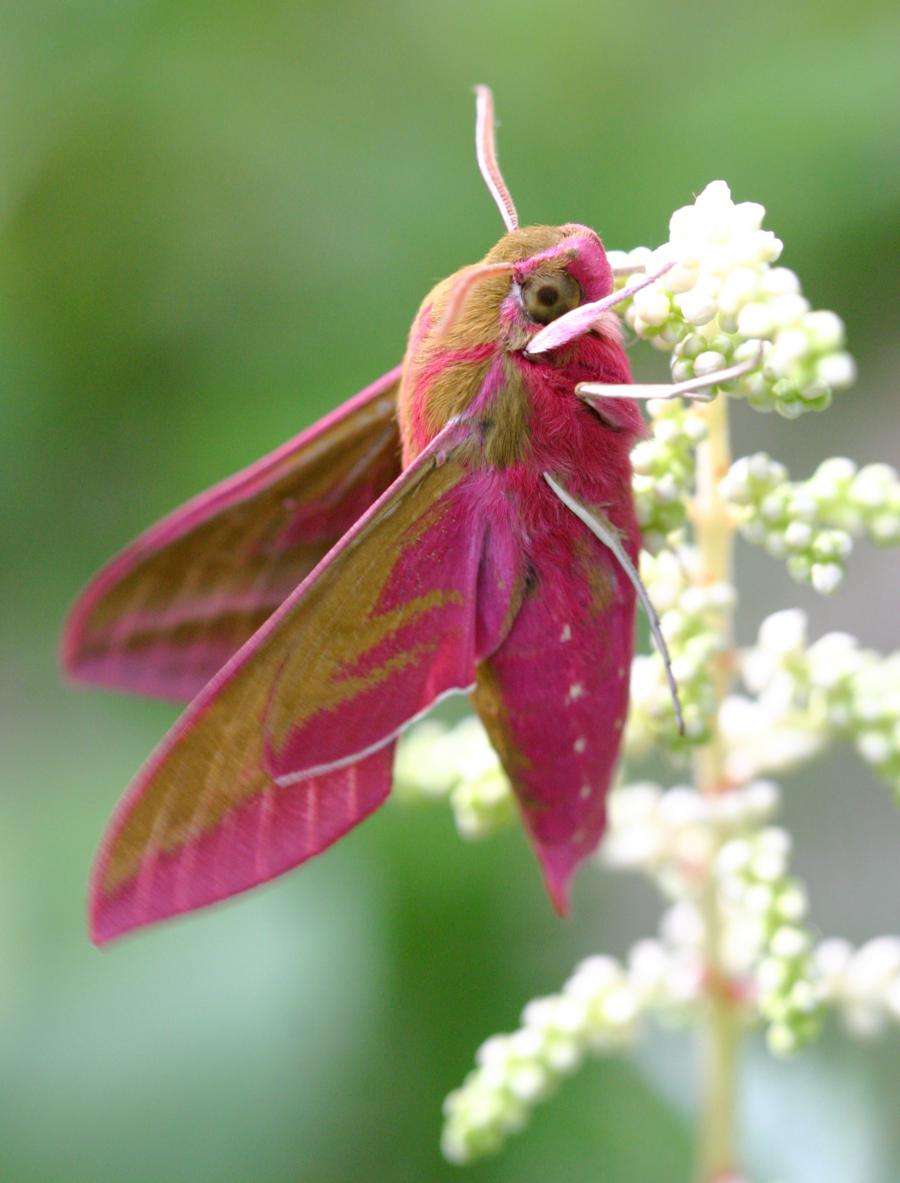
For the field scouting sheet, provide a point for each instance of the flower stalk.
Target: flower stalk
(720, 1032)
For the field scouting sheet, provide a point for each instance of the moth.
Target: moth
(464, 525)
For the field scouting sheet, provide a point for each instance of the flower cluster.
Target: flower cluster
(862, 501)
(863, 984)
(664, 465)
(689, 614)
(832, 687)
(674, 836)
(678, 837)
(685, 841)
(872, 715)
(810, 523)
(760, 738)
(597, 1012)
(457, 763)
(763, 908)
(723, 302)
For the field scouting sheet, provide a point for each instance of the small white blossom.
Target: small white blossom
(599, 1011)
(811, 523)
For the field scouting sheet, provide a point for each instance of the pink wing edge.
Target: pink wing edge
(368, 777)
(192, 513)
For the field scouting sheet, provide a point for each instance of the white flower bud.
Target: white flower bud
(758, 898)
(734, 857)
(528, 1082)
(874, 746)
(788, 309)
(771, 975)
(793, 903)
(683, 276)
(748, 215)
(781, 281)
(761, 798)
(708, 362)
(620, 1007)
(798, 535)
(767, 247)
(803, 997)
(593, 977)
(755, 320)
(832, 958)
(618, 259)
(652, 305)
(698, 306)
(825, 329)
(789, 942)
(826, 577)
(783, 632)
(739, 287)
(837, 370)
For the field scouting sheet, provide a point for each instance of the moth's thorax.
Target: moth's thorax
(474, 362)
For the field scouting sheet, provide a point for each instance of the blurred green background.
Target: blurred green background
(216, 221)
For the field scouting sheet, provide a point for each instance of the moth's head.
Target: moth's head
(553, 269)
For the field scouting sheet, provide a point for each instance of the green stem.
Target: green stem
(721, 1033)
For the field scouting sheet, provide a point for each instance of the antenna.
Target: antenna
(486, 152)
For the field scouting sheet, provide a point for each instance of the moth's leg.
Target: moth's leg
(610, 538)
(627, 269)
(693, 388)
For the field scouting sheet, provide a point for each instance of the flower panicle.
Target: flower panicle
(776, 976)
(735, 932)
(599, 1011)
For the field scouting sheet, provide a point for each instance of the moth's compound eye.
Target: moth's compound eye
(548, 296)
